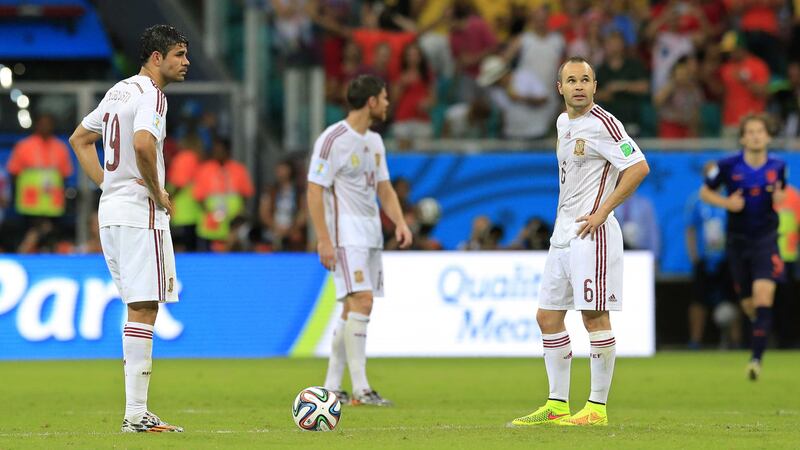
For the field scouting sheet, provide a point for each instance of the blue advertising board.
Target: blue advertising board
(510, 188)
(62, 307)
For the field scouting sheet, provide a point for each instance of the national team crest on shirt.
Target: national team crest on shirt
(772, 176)
(377, 159)
(579, 144)
(354, 160)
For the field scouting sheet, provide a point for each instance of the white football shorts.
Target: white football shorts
(358, 269)
(587, 275)
(141, 262)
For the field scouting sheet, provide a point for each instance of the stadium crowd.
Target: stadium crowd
(455, 68)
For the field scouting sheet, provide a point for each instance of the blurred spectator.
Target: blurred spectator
(43, 236)
(745, 78)
(785, 103)
(493, 238)
(788, 240)
(520, 96)
(39, 164)
(477, 236)
(710, 73)
(672, 39)
(540, 52)
(413, 95)
(535, 235)
(565, 22)
(588, 41)
(435, 42)
(705, 245)
(92, 244)
(637, 218)
(351, 66)
(187, 211)
(293, 29)
(471, 40)
(282, 211)
(221, 185)
(381, 61)
(622, 84)
(626, 17)
(679, 101)
(759, 23)
(238, 238)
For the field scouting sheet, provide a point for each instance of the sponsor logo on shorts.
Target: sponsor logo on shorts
(595, 355)
(359, 276)
(171, 284)
(569, 356)
(613, 298)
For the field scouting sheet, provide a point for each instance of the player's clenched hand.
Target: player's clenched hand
(326, 254)
(403, 236)
(735, 201)
(590, 224)
(164, 202)
(779, 194)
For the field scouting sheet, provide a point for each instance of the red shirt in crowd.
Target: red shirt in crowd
(738, 100)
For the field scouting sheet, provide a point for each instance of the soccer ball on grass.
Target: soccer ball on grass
(316, 409)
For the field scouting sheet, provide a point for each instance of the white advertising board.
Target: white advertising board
(484, 304)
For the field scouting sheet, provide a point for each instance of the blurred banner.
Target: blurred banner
(239, 306)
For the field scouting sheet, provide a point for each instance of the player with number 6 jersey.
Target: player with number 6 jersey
(599, 166)
(134, 207)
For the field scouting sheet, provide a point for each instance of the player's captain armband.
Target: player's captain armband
(627, 149)
(320, 168)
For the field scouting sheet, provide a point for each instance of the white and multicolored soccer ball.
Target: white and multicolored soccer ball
(316, 409)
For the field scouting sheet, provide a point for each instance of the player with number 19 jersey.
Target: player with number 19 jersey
(131, 105)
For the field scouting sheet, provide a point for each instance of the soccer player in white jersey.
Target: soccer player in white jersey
(347, 170)
(599, 166)
(134, 207)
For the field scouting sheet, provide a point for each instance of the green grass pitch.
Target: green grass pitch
(675, 400)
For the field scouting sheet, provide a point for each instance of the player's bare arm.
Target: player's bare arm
(732, 203)
(144, 144)
(391, 206)
(82, 142)
(316, 209)
(633, 176)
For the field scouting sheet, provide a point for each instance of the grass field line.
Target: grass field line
(23, 434)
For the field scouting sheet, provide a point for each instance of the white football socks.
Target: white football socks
(137, 349)
(557, 361)
(338, 359)
(602, 355)
(355, 341)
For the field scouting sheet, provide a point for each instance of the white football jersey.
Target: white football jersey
(592, 150)
(349, 166)
(131, 105)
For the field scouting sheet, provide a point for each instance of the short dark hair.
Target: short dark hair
(760, 117)
(575, 59)
(362, 88)
(159, 38)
